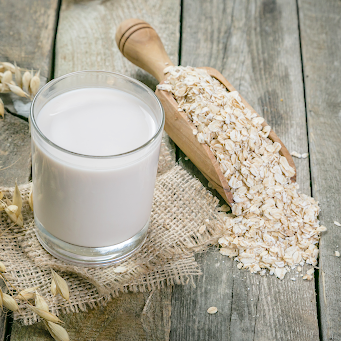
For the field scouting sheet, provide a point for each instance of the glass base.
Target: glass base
(89, 256)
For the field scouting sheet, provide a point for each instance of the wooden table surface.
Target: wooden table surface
(284, 57)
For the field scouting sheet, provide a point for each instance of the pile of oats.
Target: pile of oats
(272, 225)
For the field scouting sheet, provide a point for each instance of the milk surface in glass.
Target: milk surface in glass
(94, 202)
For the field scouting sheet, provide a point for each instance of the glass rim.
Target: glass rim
(116, 74)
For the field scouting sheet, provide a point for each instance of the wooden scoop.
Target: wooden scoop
(139, 42)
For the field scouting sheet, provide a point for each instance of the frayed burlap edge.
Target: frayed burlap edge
(181, 206)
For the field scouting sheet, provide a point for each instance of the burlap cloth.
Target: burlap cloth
(181, 206)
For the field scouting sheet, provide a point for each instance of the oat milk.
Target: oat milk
(79, 199)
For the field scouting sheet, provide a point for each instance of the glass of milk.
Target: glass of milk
(96, 139)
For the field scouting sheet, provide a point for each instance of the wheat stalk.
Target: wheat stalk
(22, 85)
(13, 210)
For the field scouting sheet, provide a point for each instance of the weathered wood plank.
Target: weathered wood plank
(255, 45)
(3, 322)
(156, 314)
(86, 40)
(86, 34)
(27, 34)
(190, 320)
(119, 320)
(320, 28)
(15, 151)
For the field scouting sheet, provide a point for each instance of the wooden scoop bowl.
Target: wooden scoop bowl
(139, 43)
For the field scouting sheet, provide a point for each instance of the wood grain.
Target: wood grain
(124, 318)
(15, 151)
(27, 34)
(86, 34)
(119, 320)
(190, 320)
(156, 314)
(140, 44)
(255, 45)
(86, 40)
(321, 50)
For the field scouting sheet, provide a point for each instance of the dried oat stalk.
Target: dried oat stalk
(22, 85)
(57, 331)
(59, 286)
(13, 209)
(27, 294)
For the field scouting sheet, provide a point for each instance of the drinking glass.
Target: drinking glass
(93, 210)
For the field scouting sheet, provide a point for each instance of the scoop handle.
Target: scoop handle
(139, 43)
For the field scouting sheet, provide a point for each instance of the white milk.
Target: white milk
(87, 201)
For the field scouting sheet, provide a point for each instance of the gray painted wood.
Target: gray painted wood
(119, 320)
(156, 314)
(3, 322)
(27, 36)
(190, 320)
(320, 27)
(255, 45)
(86, 34)
(15, 151)
(126, 317)
(27, 33)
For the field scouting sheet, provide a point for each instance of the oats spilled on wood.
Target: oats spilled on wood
(337, 254)
(337, 223)
(272, 226)
(295, 154)
(309, 275)
(299, 156)
(212, 310)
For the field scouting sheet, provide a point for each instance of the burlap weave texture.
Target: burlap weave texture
(181, 206)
